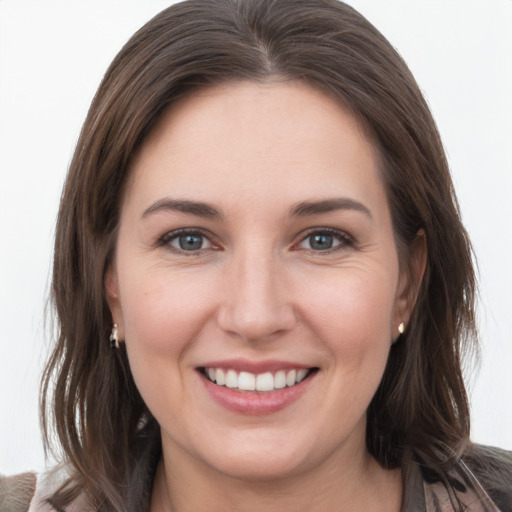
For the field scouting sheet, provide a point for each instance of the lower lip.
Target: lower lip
(254, 403)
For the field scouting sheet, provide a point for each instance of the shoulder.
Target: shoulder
(50, 482)
(480, 481)
(16, 492)
(492, 467)
(29, 492)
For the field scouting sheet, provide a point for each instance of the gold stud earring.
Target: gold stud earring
(401, 328)
(114, 337)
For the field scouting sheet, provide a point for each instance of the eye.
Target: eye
(325, 241)
(186, 241)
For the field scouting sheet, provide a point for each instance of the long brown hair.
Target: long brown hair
(88, 392)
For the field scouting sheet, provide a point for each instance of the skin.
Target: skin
(258, 289)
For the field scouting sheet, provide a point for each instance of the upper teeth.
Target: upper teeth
(246, 381)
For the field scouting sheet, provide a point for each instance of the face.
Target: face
(256, 279)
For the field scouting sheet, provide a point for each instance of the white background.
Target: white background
(52, 57)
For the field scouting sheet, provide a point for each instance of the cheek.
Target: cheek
(352, 320)
(161, 313)
(162, 318)
(352, 310)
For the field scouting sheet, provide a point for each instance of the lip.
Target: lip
(256, 403)
(256, 367)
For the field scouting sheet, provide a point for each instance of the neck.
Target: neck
(358, 484)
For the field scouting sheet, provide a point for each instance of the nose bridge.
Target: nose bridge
(256, 305)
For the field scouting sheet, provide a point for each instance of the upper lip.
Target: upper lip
(256, 367)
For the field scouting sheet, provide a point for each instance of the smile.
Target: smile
(263, 382)
(256, 388)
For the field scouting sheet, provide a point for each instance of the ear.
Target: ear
(411, 277)
(113, 299)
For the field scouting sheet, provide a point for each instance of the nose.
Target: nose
(255, 303)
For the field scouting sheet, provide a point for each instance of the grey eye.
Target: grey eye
(190, 242)
(325, 241)
(321, 241)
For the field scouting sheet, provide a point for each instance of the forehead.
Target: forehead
(233, 138)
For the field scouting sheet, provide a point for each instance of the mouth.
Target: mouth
(260, 383)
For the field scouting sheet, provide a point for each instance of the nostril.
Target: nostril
(251, 327)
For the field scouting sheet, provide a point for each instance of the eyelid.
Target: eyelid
(166, 239)
(343, 237)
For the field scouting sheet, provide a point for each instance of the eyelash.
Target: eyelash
(166, 240)
(345, 241)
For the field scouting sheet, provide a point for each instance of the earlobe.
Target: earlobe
(111, 284)
(113, 300)
(412, 276)
(418, 259)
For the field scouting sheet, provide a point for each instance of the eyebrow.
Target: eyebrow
(184, 206)
(305, 208)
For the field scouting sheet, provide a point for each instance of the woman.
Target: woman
(263, 285)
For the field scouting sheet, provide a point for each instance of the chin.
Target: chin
(261, 460)
(260, 469)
